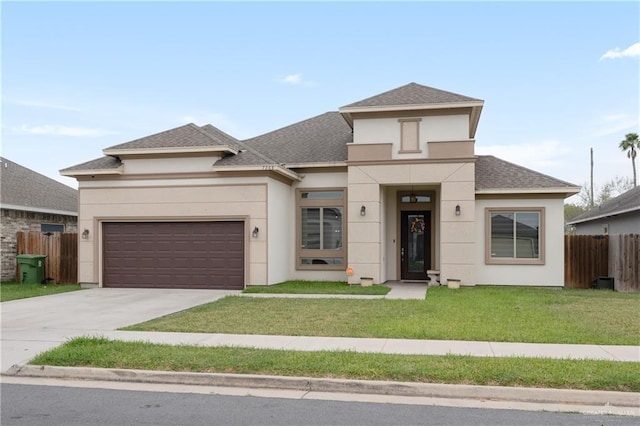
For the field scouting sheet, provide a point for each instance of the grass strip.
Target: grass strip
(496, 314)
(454, 369)
(13, 291)
(319, 287)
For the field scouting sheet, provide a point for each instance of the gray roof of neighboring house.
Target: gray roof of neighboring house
(188, 135)
(321, 139)
(22, 187)
(494, 173)
(623, 203)
(411, 94)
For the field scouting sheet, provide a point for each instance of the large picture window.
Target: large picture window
(515, 236)
(321, 229)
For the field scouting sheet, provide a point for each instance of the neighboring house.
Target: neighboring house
(31, 202)
(620, 215)
(388, 187)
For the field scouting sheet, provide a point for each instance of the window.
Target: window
(321, 229)
(410, 135)
(51, 227)
(515, 236)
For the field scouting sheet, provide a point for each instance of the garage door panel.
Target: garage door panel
(174, 254)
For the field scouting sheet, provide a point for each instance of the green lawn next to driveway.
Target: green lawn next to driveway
(319, 287)
(501, 314)
(13, 291)
(454, 369)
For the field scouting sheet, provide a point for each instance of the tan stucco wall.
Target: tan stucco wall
(371, 255)
(549, 274)
(431, 128)
(204, 199)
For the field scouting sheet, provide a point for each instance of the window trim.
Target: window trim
(402, 122)
(301, 253)
(488, 260)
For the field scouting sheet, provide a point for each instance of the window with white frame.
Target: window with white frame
(515, 236)
(321, 229)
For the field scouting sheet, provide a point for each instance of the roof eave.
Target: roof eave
(261, 168)
(476, 110)
(605, 215)
(567, 191)
(329, 164)
(169, 150)
(93, 172)
(39, 210)
(411, 107)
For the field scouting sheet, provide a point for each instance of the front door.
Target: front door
(415, 244)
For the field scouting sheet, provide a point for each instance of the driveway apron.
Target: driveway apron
(30, 326)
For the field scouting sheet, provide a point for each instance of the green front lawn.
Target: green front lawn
(529, 372)
(319, 287)
(13, 291)
(502, 314)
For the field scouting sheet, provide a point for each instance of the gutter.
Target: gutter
(38, 210)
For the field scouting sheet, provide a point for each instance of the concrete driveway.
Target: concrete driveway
(30, 326)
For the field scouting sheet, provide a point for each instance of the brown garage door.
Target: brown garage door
(174, 255)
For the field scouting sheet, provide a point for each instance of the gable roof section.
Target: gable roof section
(411, 94)
(415, 97)
(494, 175)
(187, 138)
(24, 189)
(321, 139)
(623, 203)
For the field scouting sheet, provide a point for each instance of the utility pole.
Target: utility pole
(592, 203)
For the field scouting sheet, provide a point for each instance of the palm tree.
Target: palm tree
(631, 143)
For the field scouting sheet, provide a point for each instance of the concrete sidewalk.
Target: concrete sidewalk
(386, 346)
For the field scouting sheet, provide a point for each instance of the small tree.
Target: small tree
(631, 144)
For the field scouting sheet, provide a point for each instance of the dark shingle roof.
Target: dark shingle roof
(25, 188)
(320, 139)
(188, 135)
(494, 173)
(626, 202)
(411, 94)
(102, 163)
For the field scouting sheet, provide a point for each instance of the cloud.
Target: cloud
(293, 79)
(56, 130)
(614, 123)
(296, 80)
(42, 104)
(632, 51)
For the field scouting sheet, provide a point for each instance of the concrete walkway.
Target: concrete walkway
(386, 346)
(399, 290)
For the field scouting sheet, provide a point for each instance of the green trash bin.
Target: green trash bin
(31, 268)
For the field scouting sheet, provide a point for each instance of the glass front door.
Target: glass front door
(415, 245)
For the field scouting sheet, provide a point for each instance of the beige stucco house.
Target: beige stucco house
(388, 187)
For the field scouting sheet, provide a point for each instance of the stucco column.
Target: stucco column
(364, 251)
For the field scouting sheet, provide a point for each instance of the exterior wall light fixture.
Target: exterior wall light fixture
(255, 232)
(363, 211)
(85, 234)
(458, 210)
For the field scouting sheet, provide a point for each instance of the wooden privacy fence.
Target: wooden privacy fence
(588, 257)
(61, 249)
(624, 261)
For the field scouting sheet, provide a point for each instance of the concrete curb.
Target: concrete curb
(309, 384)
